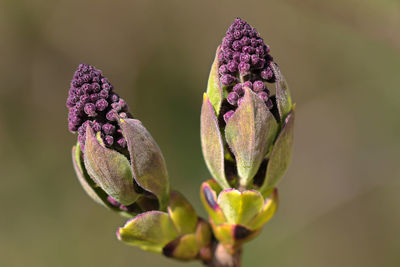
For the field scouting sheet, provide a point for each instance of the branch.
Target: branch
(222, 258)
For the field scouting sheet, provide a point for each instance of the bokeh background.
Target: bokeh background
(340, 198)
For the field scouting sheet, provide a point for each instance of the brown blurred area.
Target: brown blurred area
(339, 202)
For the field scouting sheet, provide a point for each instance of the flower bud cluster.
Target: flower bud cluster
(244, 61)
(92, 101)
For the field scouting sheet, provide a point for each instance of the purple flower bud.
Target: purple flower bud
(227, 79)
(95, 87)
(122, 142)
(237, 35)
(267, 74)
(96, 126)
(94, 97)
(238, 89)
(90, 109)
(236, 56)
(110, 116)
(243, 55)
(109, 140)
(108, 128)
(248, 84)
(101, 104)
(232, 98)
(255, 59)
(248, 50)
(244, 58)
(89, 103)
(258, 86)
(228, 115)
(245, 41)
(244, 67)
(263, 96)
(223, 69)
(233, 66)
(236, 46)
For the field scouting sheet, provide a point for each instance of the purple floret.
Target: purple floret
(92, 101)
(244, 61)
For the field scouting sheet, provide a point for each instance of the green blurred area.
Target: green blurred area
(339, 202)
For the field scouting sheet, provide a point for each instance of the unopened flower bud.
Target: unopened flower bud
(117, 161)
(257, 126)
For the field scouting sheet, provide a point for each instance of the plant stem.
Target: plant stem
(222, 258)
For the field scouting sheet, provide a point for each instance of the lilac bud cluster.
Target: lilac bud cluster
(92, 101)
(244, 61)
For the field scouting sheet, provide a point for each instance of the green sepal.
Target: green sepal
(283, 98)
(250, 133)
(147, 162)
(266, 213)
(212, 143)
(240, 207)
(188, 246)
(203, 233)
(184, 248)
(150, 231)
(182, 214)
(232, 236)
(214, 88)
(208, 195)
(109, 169)
(281, 155)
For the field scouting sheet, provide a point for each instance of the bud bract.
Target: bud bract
(177, 233)
(236, 217)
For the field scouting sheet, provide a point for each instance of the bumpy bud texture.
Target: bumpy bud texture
(92, 101)
(244, 61)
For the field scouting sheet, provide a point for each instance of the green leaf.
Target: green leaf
(109, 169)
(182, 214)
(147, 162)
(214, 89)
(151, 230)
(267, 212)
(281, 155)
(208, 197)
(283, 97)
(211, 143)
(249, 134)
(86, 182)
(184, 248)
(240, 207)
(203, 233)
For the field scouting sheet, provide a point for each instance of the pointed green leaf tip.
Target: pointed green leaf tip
(211, 143)
(249, 134)
(214, 89)
(150, 231)
(148, 164)
(109, 169)
(281, 155)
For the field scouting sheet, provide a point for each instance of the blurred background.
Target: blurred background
(340, 198)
